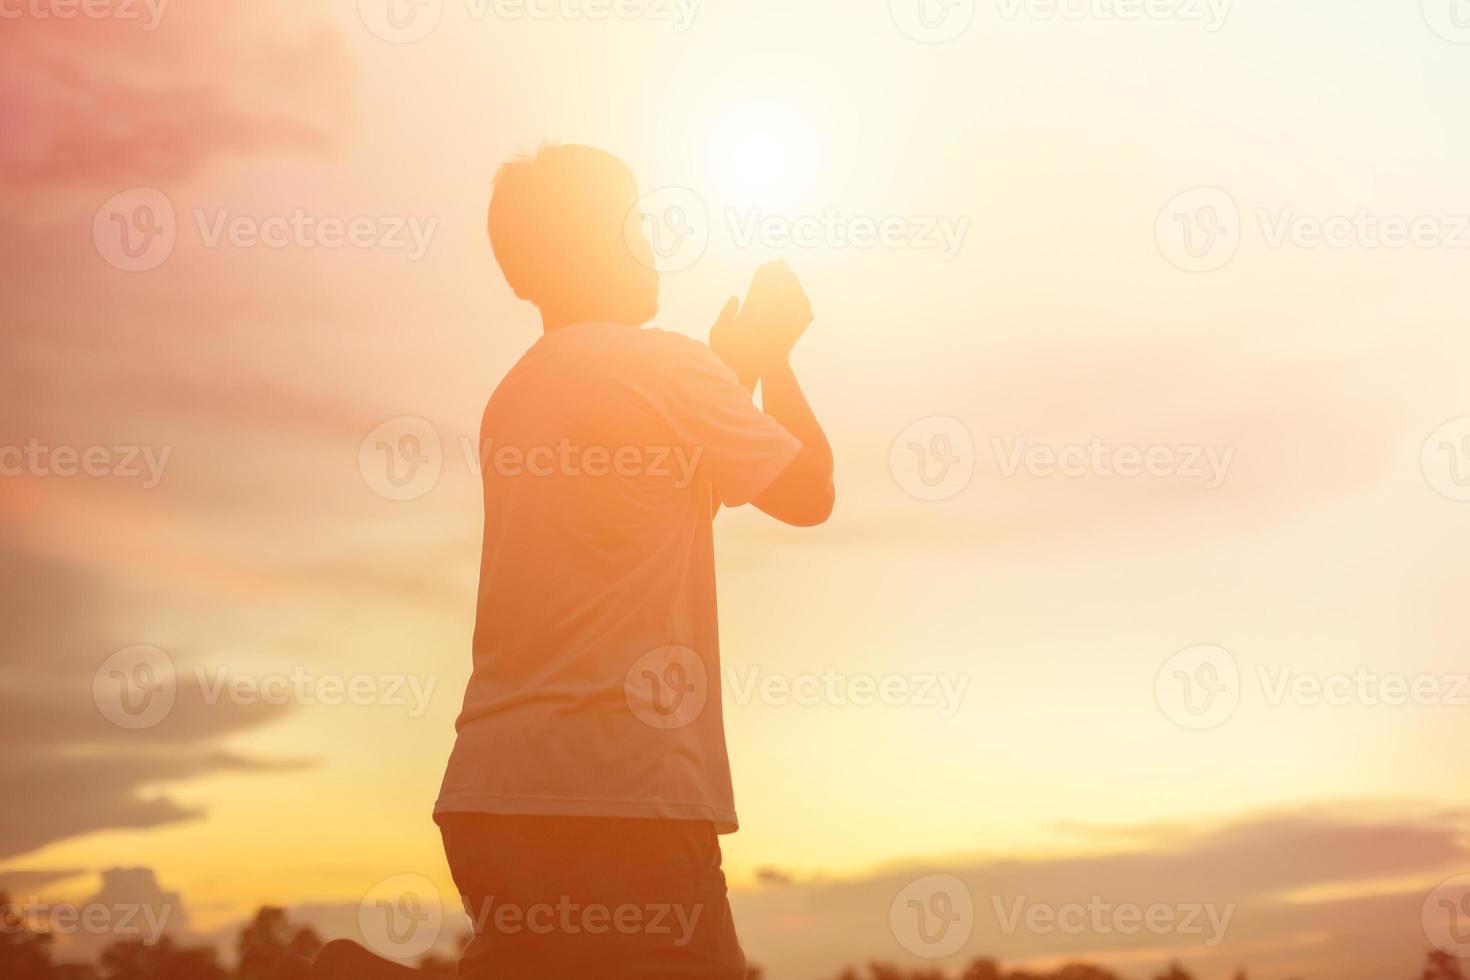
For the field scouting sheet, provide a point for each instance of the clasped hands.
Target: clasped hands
(756, 337)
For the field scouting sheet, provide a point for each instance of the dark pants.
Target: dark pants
(592, 897)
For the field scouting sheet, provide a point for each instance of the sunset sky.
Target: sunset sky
(1033, 291)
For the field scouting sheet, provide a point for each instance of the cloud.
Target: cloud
(67, 770)
(92, 102)
(26, 882)
(1364, 923)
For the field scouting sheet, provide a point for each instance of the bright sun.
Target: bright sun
(763, 154)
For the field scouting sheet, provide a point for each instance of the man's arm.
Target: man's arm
(756, 341)
(720, 343)
(803, 495)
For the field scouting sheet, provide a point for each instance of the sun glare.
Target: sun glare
(763, 154)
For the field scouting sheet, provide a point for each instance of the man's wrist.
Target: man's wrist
(776, 367)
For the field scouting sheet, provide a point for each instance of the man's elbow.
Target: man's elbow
(818, 508)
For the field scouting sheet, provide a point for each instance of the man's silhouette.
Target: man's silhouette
(589, 781)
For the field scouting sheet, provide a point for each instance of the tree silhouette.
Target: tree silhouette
(1084, 971)
(884, 971)
(1176, 972)
(24, 955)
(982, 970)
(1443, 966)
(268, 940)
(137, 960)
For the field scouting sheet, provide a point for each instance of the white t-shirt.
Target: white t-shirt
(596, 684)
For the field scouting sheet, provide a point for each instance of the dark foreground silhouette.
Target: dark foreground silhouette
(271, 948)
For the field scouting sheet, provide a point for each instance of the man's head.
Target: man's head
(569, 239)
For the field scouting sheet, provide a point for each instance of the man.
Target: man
(589, 780)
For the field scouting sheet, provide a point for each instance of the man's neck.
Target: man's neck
(557, 320)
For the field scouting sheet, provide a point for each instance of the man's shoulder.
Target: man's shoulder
(679, 352)
(663, 355)
(673, 343)
(612, 358)
(597, 340)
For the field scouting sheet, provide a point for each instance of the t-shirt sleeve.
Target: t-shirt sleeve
(741, 449)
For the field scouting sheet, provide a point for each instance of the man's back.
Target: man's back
(596, 659)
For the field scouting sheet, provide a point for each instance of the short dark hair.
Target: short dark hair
(555, 214)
